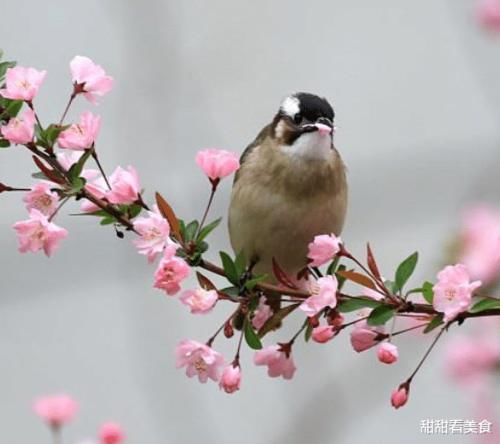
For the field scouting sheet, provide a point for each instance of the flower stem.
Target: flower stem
(210, 199)
(212, 338)
(56, 434)
(70, 101)
(427, 353)
(101, 169)
(61, 204)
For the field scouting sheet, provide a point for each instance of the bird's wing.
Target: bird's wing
(258, 140)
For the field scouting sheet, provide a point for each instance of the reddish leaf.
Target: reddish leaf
(168, 213)
(372, 264)
(204, 282)
(281, 276)
(49, 173)
(358, 278)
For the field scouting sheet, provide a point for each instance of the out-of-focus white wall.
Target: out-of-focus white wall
(416, 91)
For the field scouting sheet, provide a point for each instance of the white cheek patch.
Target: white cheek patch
(310, 146)
(290, 106)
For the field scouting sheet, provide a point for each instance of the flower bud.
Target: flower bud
(399, 396)
(230, 379)
(323, 334)
(387, 353)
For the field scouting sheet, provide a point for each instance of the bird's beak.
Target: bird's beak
(323, 129)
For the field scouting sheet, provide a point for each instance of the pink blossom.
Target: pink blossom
(42, 198)
(387, 353)
(199, 359)
(231, 378)
(22, 83)
(56, 410)
(68, 158)
(481, 242)
(154, 233)
(170, 272)
(324, 295)
(38, 233)
(399, 396)
(92, 77)
(111, 433)
(95, 185)
(200, 301)
(125, 187)
(261, 314)
(364, 336)
(488, 14)
(323, 249)
(323, 333)
(279, 362)
(453, 291)
(81, 136)
(20, 130)
(217, 164)
(469, 359)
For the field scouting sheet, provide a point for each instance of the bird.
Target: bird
(290, 187)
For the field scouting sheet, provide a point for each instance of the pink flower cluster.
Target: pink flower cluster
(58, 410)
(481, 243)
(324, 294)
(323, 249)
(203, 361)
(81, 136)
(22, 83)
(20, 130)
(38, 233)
(488, 14)
(171, 271)
(453, 291)
(216, 163)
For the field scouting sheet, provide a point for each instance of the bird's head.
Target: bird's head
(303, 126)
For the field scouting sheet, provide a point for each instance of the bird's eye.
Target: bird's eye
(297, 118)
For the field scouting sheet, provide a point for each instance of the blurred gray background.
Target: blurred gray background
(416, 91)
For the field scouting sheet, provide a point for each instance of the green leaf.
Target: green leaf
(434, 323)
(182, 228)
(356, 304)
(13, 108)
(251, 283)
(3, 68)
(233, 292)
(240, 263)
(76, 169)
(77, 185)
(108, 220)
(405, 270)
(251, 336)
(308, 332)
(40, 175)
(51, 133)
(333, 266)
(428, 292)
(190, 230)
(230, 269)
(485, 304)
(391, 286)
(340, 279)
(4, 143)
(380, 315)
(207, 229)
